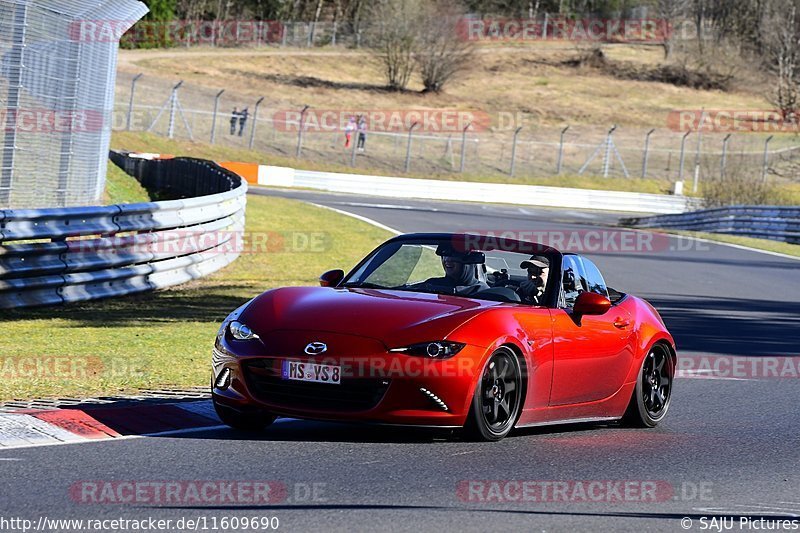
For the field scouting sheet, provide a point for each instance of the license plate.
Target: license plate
(297, 371)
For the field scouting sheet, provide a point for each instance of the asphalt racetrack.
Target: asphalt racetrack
(729, 446)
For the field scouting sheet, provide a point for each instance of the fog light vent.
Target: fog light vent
(438, 401)
(224, 379)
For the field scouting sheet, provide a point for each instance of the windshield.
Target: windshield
(451, 268)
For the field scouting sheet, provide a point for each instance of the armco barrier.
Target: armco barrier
(773, 222)
(53, 256)
(473, 191)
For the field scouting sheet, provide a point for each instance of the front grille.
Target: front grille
(263, 378)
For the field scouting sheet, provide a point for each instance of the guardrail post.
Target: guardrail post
(299, 150)
(514, 151)
(255, 123)
(214, 118)
(646, 156)
(463, 148)
(559, 164)
(765, 167)
(683, 155)
(408, 146)
(130, 102)
(724, 161)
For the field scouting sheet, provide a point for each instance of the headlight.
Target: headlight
(432, 350)
(241, 332)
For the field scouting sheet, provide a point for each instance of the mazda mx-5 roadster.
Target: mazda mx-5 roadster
(448, 331)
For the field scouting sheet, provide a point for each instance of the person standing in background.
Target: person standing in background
(348, 131)
(362, 133)
(243, 120)
(234, 120)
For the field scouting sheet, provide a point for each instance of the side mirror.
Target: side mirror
(591, 304)
(331, 278)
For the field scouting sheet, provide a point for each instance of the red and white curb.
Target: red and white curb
(38, 427)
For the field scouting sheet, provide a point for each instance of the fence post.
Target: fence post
(255, 123)
(560, 163)
(696, 184)
(408, 147)
(607, 160)
(214, 118)
(463, 148)
(765, 168)
(333, 36)
(130, 103)
(724, 161)
(299, 150)
(544, 27)
(683, 156)
(173, 106)
(354, 140)
(646, 158)
(514, 151)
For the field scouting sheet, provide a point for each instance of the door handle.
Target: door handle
(621, 323)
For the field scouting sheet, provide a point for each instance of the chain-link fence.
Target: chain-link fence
(514, 154)
(56, 88)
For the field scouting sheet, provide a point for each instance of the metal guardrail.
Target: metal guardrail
(54, 256)
(772, 222)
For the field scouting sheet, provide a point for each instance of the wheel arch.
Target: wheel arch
(523, 363)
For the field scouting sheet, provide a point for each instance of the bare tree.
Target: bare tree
(394, 37)
(783, 47)
(669, 12)
(442, 50)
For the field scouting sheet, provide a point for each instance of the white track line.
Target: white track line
(359, 217)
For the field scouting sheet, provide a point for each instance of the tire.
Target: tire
(653, 393)
(251, 421)
(497, 401)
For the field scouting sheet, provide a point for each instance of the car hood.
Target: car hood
(392, 317)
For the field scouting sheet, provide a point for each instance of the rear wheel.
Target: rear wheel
(243, 420)
(497, 400)
(653, 393)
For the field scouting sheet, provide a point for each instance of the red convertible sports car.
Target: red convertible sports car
(451, 331)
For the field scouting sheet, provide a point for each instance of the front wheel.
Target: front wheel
(243, 420)
(498, 398)
(651, 397)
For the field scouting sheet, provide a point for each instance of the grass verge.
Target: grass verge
(122, 188)
(163, 339)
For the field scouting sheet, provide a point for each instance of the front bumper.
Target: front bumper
(379, 386)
